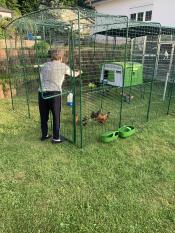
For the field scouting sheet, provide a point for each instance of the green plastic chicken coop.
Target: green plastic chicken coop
(121, 74)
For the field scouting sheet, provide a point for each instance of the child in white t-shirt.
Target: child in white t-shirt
(52, 75)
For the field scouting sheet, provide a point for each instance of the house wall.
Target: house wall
(124, 7)
(5, 14)
(163, 10)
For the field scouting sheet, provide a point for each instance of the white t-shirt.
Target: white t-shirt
(52, 75)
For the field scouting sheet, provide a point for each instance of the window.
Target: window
(133, 16)
(148, 16)
(109, 75)
(140, 16)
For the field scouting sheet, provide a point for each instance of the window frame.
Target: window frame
(147, 19)
(142, 16)
(133, 14)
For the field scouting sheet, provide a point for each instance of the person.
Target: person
(166, 55)
(52, 75)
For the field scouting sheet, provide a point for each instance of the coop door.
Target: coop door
(118, 78)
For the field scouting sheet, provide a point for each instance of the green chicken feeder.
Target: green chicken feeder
(109, 136)
(126, 131)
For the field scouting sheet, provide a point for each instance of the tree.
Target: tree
(3, 24)
(56, 3)
(19, 27)
(12, 4)
(27, 6)
(3, 3)
(82, 3)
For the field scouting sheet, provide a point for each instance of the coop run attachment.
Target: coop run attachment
(128, 69)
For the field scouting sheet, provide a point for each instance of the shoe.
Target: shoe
(45, 138)
(55, 141)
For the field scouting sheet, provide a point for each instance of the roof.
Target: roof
(62, 18)
(96, 1)
(135, 29)
(91, 2)
(91, 22)
(2, 9)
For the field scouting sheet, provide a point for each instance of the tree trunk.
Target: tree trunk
(1, 92)
(7, 91)
(13, 91)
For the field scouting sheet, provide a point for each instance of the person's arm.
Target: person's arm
(72, 73)
(37, 66)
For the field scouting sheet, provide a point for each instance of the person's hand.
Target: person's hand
(78, 72)
(37, 66)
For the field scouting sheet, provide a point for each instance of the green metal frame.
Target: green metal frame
(90, 26)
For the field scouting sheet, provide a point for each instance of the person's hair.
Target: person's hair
(56, 54)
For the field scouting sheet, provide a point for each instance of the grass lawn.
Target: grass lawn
(127, 186)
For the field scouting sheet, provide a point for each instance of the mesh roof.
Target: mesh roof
(137, 29)
(101, 23)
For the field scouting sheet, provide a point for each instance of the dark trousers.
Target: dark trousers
(45, 106)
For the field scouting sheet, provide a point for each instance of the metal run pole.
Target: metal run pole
(25, 76)
(132, 48)
(143, 62)
(154, 74)
(169, 71)
(125, 60)
(144, 50)
(7, 70)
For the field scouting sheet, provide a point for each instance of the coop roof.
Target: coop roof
(135, 29)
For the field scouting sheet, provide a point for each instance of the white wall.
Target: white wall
(112, 7)
(5, 14)
(124, 7)
(164, 12)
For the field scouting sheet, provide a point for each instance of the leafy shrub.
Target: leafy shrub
(41, 49)
(1, 34)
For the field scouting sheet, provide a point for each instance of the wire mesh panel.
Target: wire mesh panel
(100, 102)
(100, 113)
(136, 94)
(37, 34)
(169, 92)
(22, 79)
(171, 103)
(163, 77)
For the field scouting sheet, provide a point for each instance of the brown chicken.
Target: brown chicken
(94, 115)
(85, 120)
(102, 118)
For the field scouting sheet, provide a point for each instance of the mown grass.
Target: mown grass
(126, 186)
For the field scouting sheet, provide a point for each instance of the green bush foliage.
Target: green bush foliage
(42, 48)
